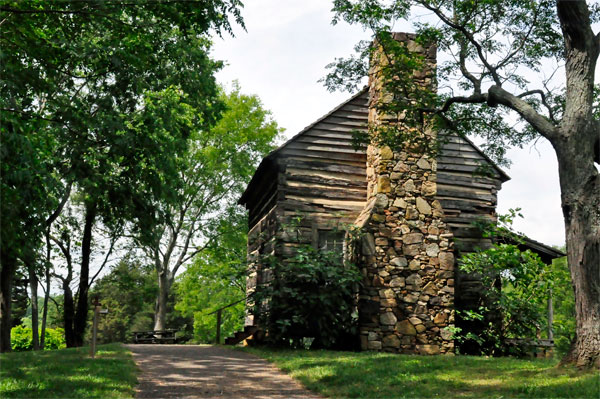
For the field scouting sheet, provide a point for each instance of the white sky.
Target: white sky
(282, 56)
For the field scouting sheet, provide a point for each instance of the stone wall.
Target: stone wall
(407, 253)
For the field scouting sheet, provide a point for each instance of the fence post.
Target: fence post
(96, 304)
(219, 326)
(550, 315)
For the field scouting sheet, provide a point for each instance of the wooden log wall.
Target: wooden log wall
(323, 178)
(465, 194)
(261, 243)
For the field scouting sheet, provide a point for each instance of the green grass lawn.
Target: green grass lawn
(380, 375)
(68, 373)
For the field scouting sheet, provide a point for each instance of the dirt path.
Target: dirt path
(190, 371)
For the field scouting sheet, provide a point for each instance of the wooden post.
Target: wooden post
(96, 304)
(550, 315)
(218, 340)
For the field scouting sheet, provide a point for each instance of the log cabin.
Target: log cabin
(415, 212)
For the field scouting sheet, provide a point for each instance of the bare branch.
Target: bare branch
(61, 205)
(497, 95)
(544, 101)
(110, 249)
(469, 36)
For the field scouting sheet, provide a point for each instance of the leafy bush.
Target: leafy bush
(311, 294)
(515, 284)
(564, 306)
(21, 338)
(55, 338)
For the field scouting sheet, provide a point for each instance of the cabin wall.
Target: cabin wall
(322, 177)
(466, 195)
(262, 241)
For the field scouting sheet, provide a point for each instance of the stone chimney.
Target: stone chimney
(407, 256)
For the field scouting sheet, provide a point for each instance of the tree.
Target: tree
(214, 172)
(69, 229)
(127, 292)
(217, 278)
(494, 49)
(82, 84)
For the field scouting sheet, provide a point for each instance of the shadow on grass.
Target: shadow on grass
(68, 373)
(372, 375)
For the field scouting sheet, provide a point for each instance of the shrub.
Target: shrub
(55, 338)
(310, 297)
(21, 338)
(515, 284)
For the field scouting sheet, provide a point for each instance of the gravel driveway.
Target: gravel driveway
(203, 371)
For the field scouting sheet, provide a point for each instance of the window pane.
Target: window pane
(333, 241)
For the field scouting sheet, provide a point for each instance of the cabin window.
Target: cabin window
(332, 241)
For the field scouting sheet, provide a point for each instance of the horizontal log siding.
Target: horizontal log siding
(323, 177)
(464, 193)
(466, 197)
(261, 243)
(263, 198)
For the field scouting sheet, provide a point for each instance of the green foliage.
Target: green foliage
(69, 373)
(102, 96)
(495, 42)
(21, 338)
(129, 292)
(216, 169)
(310, 294)
(388, 375)
(79, 84)
(215, 279)
(516, 286)
(563, 299)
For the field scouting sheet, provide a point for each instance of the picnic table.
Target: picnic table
(156, 337)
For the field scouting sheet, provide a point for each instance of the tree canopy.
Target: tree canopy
(100, 96)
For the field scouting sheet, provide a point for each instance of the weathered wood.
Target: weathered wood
(335, 194)
(465, 194)
(327, 134)
(329, 181)
(329, 141)
(314, 167)
(311, 148)
(329, 155)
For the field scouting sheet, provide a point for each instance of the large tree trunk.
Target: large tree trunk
(8, 266)
(580, 187)
(33, 286)
(160, 311)
(576, 146)
(81, 314)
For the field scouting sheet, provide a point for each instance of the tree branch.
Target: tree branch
(497, 95)
(110, 249)
(468, 36)
(61, 205)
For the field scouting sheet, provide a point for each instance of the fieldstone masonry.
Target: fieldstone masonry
(406, 252)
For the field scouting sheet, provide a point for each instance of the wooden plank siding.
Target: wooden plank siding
(466, 195)
(324, 176)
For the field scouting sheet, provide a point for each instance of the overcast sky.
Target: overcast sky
(282, 56)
